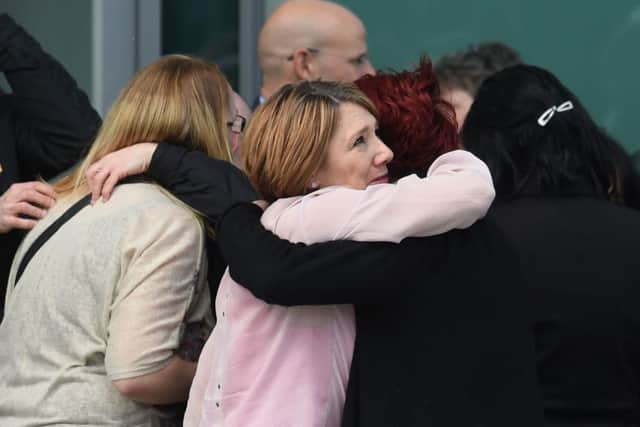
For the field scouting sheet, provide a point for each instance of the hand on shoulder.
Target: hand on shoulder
(23, 204)
(104, 175)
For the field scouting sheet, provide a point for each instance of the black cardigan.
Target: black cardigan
(441, 335)
(579, 255)
(442, 339)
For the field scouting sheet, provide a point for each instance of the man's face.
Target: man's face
(345, 57)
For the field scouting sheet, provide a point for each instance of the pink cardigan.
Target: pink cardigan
(269, 365)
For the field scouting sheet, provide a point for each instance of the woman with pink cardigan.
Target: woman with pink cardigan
(312, 151)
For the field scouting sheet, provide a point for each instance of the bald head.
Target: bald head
(309, 40)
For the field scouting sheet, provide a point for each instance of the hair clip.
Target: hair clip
(549, 112)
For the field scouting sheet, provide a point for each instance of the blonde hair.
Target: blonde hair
(178, 98)
(288, 136)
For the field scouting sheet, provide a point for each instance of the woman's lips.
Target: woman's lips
(384, 179)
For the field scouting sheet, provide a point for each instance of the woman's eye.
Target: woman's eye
(359, 141)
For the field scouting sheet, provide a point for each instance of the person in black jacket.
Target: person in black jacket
(46, 123)
(556, 175)
(441, 335)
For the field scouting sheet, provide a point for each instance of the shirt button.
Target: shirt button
(218, 386)
(217, 404)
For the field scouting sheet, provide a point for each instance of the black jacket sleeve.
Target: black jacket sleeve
(339, 272)
(206, 184)
(54, 122)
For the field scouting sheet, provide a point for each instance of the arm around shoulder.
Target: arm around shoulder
(206, 184)
(457, 191)
(470, 182)
(336, 272)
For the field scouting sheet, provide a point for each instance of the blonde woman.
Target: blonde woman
(312, 150)
(104, 322)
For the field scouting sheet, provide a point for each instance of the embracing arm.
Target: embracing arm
(456, 192)
(337, 272)
(208, 185)
(54, 120)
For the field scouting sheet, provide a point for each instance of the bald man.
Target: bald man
(311, 40)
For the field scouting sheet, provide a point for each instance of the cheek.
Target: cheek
(354, 72)
(365, 172)
(341, 72)
(351, 172)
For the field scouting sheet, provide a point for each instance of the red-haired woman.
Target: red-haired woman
(432, 359)
(413, 120)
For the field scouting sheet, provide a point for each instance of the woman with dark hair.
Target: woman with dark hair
(435, 345)
(553, 171)
(537, 137)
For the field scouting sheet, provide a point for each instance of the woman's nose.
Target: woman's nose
(385, 155)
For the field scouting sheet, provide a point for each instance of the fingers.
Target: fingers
(90, 176)
(104, 175)
(96, 177)
(44, 189)
(17, 223)
(25, 208)
(108, 186)
(30, 199)
(36, 193)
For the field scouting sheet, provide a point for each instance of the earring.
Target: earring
(314, 185)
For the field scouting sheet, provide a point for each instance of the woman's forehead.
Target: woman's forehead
(354, 119)
(350, 111)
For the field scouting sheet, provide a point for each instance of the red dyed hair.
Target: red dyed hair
(413, 120)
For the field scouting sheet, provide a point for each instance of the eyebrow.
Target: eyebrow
(362, 130)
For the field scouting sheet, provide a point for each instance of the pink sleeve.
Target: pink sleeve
(457, 191)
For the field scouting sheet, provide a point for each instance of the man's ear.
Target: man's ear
(304, 64)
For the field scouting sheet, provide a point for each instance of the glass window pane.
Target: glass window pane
(205, 28)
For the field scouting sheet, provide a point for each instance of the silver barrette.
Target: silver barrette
(549, 112)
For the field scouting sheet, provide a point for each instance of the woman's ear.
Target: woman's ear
(313, 184)
(304, 64)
